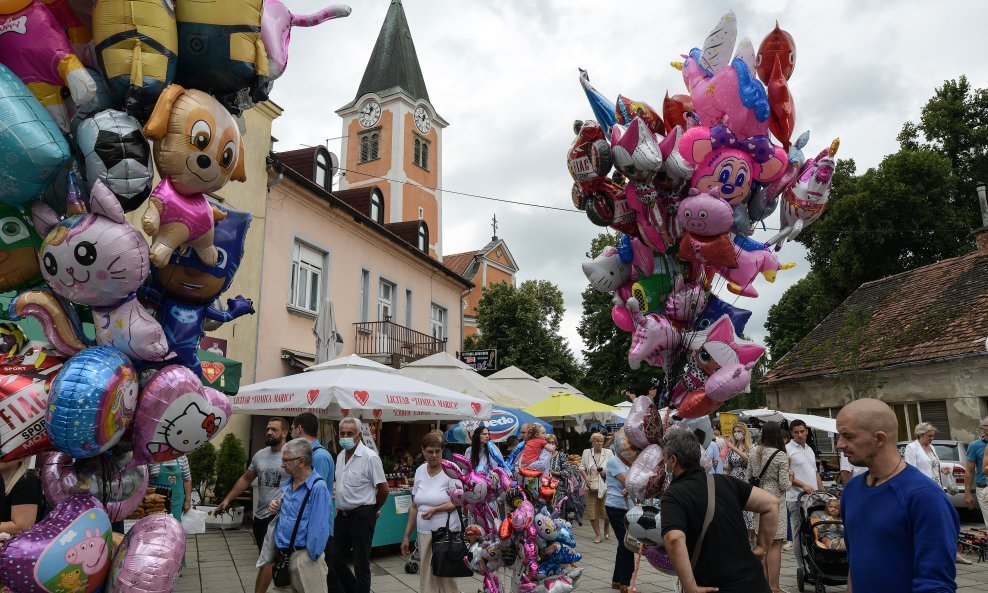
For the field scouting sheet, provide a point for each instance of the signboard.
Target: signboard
(215, 345)
(482, 360)
(368, 435)
(727, 422)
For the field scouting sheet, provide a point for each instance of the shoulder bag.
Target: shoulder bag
(448, 551)
(757, 482)
(281, 576)
(707, 519)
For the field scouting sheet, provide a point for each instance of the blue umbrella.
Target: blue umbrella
(504, 422)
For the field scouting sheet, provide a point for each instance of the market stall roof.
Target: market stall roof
(220, 372)
(571, 389)
(817, 422)
(356, 386)
(623, 409)
(553, 385)
(522, 384)
(446, 371)
(562, 405)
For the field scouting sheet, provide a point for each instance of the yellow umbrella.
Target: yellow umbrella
(559, 405)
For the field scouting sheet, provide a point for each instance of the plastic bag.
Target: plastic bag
(194, 522)
(268, 548)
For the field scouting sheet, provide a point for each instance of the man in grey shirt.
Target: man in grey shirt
(266, 468)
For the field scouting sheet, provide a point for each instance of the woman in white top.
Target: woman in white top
(593, 468)
(921, 455)
(431, 509)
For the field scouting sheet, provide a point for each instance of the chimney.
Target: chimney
(981, 235)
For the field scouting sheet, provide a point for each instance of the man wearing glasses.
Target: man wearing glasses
(975, 475)
(361, 491)
(306, 426)
(305, 487)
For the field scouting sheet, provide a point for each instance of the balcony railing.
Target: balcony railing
(387, 338)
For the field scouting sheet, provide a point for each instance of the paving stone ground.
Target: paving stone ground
(223, 562)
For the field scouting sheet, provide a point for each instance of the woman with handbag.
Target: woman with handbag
(617, 504)
(593, 468)
(768, 468)
(437, 525)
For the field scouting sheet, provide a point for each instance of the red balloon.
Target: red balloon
(696, 404)
(708, 250)
(24, 383)
(782, 118)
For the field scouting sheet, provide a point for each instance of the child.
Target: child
(830, 535)
(534, 447)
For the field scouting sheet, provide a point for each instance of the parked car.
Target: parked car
(953, 457)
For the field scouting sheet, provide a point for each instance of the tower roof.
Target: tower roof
(393, 64)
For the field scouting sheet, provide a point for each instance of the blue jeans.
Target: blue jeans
(624, 560)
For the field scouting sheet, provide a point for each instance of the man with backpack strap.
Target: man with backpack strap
(306, 426)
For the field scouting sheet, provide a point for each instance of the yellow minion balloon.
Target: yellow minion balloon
(136, 44)
(221, 52)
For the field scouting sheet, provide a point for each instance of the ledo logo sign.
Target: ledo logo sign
(502, 424)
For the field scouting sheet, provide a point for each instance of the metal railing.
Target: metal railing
(387, 338)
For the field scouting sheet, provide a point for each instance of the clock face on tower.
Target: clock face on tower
(370, 113)
(423, 121)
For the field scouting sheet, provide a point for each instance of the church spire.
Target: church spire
(393, 64)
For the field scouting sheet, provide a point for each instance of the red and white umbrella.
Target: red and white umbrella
(355, 386)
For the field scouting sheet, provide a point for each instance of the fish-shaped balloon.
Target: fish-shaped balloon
(674, 110)
(777, 44)
(782, 115)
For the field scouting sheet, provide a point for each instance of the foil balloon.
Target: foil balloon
(728, 162)
(12, 340)
(644, 524)
(69, 550)
(715, 309)
(675, 110)
(120, 489)
(178, 212)
(646, 477)
(24, 383)
(659, 559)
(603, 109)
(59, 321)
(104, 100)
(778, 46)
(91, 402)
(704, 215)
(40, 54)
(34, 148)
(806, 200)
(643, 426)
(625, 110)
(19, 244)
(782, 119)
(149, 558)
(710, 251)
(98, 259)
(653, 338)
(137, 45)
(276, 30)
(686, 301)
(116, 152)
(741, 278)
(176, 415)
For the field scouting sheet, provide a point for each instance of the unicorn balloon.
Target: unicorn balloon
(276, 29)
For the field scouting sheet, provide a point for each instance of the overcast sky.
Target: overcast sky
(504, 74)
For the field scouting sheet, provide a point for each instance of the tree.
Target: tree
(230, 465)
(202, 466)
(606, 353)
(523, 324)
(801, 308)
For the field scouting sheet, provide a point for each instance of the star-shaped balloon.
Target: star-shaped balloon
(717, 308)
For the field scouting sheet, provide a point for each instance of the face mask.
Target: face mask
(347, 443)
(738, 436)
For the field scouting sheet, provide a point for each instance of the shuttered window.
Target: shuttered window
(935, 412)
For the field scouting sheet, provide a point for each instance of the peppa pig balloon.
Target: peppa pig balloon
(176, 415)
(69, 550)
(121, 490)
(91, 402)
(149, 558)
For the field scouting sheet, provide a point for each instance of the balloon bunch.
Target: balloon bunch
(689, 187)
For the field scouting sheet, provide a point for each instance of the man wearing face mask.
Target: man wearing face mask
(361, 491)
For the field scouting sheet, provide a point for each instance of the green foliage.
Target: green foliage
(606, 354)
(202, 465)
(523, 323)
(230, 464)
(800, 309)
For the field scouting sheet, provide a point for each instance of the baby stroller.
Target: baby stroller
(412, 564)
(818, 565)
(572, 487)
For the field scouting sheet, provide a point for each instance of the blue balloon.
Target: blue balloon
(91, 402)
(716, 309)
(603, 110)
(34, 149)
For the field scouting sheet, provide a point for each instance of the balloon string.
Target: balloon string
(638, 562)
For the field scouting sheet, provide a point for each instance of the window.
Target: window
(323, 176)
(420, 155)
(364, 294)
(421, 213)
(306, 277)
(423, 238)
(437, 322)
(911, 414)
(369, 146)
(377, 206)
(408, 308)
(385, 300)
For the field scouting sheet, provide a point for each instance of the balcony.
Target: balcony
(392, 343)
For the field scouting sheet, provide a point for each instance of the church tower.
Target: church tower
(393, 135)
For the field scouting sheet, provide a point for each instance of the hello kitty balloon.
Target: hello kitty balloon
(176, 415)
(98, 259)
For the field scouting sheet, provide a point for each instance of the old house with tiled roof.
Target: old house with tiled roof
(916, 340)
(488, 265)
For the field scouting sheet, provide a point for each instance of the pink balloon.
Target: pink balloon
(646, 477)
(121, 490)
(149, 558)
(705, 215)
(68, 551)
(176, 415)
(643, 426)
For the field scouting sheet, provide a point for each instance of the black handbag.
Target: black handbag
(757, 482)
(280, 574)
(448, 551)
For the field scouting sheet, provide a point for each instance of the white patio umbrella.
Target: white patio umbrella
(522, 384)
(356, 386)
(446, 371)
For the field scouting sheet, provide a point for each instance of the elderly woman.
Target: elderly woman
(430, 510)
(22, 497)
(593, 468)
(923, 456)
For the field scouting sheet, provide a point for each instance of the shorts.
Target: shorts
(595, 507)
(261, 529)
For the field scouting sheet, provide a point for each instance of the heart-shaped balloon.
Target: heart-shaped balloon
(91, 402)
(69, 550)
(643, 426)
(24, 382)
(176, 415)
(150, 557)
(120, 489)
(646, 477)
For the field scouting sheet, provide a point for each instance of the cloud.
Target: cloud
(504, 75)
